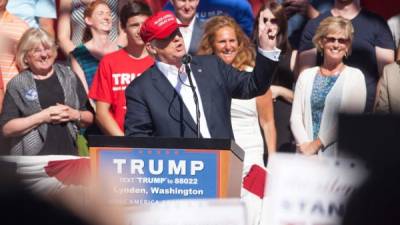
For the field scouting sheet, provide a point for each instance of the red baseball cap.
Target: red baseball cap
(159, 26)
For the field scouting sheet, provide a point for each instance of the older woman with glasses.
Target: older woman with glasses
(322, 92)
(45, 103)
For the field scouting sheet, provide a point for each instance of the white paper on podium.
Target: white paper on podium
(189, 212)
(309, 190)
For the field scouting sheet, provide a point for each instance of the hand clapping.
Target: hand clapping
(60, 114)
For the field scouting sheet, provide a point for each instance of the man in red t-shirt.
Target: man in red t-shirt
(116, 70)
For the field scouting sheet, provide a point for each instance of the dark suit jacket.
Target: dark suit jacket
(154, 108)
(196, 36)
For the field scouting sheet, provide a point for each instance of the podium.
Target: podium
(148, 170)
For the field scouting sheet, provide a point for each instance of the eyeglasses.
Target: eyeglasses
(38, 51)
(271, 20)
(340, 40)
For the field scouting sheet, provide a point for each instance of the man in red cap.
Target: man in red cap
(161, 101)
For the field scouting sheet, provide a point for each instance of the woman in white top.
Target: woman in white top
(324, 91)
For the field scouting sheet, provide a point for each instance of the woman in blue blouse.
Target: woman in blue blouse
(322, 92)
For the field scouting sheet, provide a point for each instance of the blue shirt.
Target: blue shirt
(297, 22)
(240, 10)
(321, 87)
(31, 10)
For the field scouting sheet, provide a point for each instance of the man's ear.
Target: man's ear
(150, 49)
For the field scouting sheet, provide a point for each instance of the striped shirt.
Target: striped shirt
(1, 83)
(11, 30)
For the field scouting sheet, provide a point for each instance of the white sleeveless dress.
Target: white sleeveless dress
(246, 130)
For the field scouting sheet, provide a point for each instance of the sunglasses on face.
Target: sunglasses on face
(271, 20)
(333, 40)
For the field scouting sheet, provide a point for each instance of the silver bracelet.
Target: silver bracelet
(78, 121)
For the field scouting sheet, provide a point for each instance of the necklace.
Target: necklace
(42, 77)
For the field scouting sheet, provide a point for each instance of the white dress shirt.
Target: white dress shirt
(187, 33)
(270, 54)
(179, 80)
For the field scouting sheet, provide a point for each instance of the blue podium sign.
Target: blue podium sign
(147, 175)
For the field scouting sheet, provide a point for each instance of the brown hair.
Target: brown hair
(133, 8)
(246, 52)
(87, 35)
(282, 37)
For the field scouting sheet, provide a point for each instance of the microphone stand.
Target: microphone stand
(186, 60)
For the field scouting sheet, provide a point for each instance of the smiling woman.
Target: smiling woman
(45, 103)
(85, 57)
(37, 54)
(224, 38)
(226, 44)
(325, 91)
(71, 23)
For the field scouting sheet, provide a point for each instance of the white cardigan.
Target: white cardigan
(348, 95)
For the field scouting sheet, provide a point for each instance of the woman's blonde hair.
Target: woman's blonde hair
(332, 25)
(31, 39)
(246, 51)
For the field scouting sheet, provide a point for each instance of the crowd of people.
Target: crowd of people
(273, 76)
(274, 80)
(343, 61)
